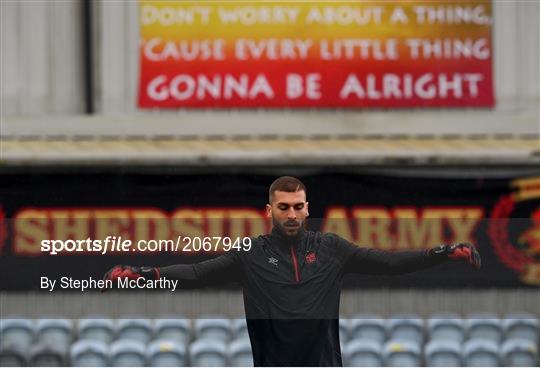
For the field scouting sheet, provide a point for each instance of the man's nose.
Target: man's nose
(291, 213)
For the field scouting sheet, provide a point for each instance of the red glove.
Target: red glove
(458, 252)
(132, 272)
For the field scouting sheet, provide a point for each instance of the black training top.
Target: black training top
(292, 287)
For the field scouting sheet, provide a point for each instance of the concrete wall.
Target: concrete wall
(42, 75)
(193, 304)
(41, 58)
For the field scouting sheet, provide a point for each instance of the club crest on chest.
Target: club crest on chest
(311, 257)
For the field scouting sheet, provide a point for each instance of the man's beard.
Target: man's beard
(297, 227)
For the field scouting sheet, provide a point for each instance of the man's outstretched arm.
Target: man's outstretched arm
(375, 261)
(222, 269)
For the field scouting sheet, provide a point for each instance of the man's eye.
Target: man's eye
(299, 207)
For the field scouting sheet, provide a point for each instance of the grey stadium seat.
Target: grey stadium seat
(99, 329)
(128, 353)
(344, 330)
(370, 327)
(484, 326)
(57, 332)
(363, 353)
(239, 327)
(16, 333)
(89, 353)
(443, 353)
(139, 329)
(167, 353)
(213, 328)
(406, 327)
(481, 353)
(402, 353)
(174, 329)
(521, 325)
(519, 353)
(12, 357)
(43, 355)
(240, 354)
(446, 326)
(208, 353)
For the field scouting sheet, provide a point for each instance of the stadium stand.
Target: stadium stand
(13, 357)
(213, 328)
(172, 329)
(517, 352)
(484, 327)
(44, 125)
(363, 352)
(406, 327)
(16, 334)
(56, 333)
(138, 329)
(240, 353)
(88, 352)
(443, 352)
(523, 325)
(239, 327)
(368, 327)
(481, 353)
(128, 353)
(97, 329)
(167, 353)
(196, 343)
(402, 353)
(446, 326)
(46, 355)
(208, 352)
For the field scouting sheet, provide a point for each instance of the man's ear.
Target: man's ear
(268, 210)
(307, 209)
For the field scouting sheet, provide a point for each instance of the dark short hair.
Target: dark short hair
(286, 184)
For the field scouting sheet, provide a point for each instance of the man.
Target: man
(291, 280)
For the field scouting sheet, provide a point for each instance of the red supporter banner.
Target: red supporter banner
(302, 54)
(141, 219)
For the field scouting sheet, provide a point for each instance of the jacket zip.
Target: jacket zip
(295, 264)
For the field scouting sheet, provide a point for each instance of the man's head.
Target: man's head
(287, 204)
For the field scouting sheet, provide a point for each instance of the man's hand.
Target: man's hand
(131, 272)
(458, 252)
